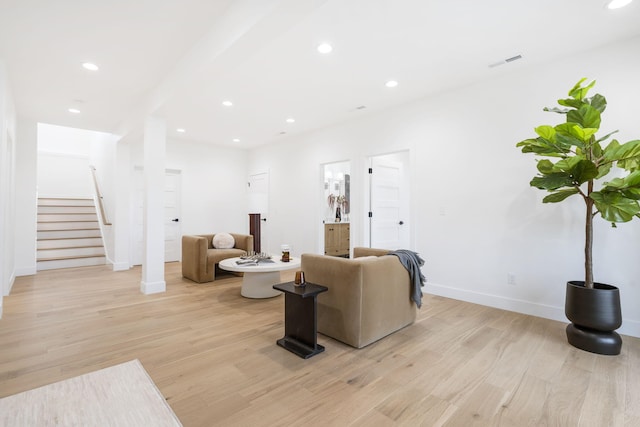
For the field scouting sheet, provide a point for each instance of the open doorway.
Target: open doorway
(389, 195)
(336, 209)
(258, 207)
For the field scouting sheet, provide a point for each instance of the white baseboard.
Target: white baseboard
(153, 287)
(120, 266)
(25, 271)
(629, 327)
(12, 280)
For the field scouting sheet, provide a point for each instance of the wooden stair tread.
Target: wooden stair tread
(68, 238)
(69, 247)
(72, 229)
(77, 220)
(66, 213)
(63, 258)
(65, 198)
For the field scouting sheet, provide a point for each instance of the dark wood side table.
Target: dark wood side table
(300, 321)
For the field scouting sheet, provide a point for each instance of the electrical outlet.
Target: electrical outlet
(511, 279)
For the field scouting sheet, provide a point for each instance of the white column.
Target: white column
(153, 211)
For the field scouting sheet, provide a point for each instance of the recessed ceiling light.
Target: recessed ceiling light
(227, 103)
(290, 120)
(236, 139)
(617, 4)
(90, 66)
(325, 48)
(180, 130)
(391, 83)
(74, 110)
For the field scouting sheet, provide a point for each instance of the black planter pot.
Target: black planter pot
(595, 315)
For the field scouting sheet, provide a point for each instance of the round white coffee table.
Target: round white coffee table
(259, 279)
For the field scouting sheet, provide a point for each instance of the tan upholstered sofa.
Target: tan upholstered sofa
(199, 257)
(369, 297)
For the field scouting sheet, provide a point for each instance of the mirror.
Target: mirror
(337, 192)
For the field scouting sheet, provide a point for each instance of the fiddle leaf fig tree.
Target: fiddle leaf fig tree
(575, 160)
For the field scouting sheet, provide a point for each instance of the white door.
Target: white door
(258, 195)
(137, 249)
(389, 204)
(172, 229)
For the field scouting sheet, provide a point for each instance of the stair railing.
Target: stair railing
(99, 197)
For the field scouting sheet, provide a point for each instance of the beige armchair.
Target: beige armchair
(369, 296)
(199, 257)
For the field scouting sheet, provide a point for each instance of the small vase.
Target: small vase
(338, 214)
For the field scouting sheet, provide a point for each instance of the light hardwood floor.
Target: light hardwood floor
(212, 353)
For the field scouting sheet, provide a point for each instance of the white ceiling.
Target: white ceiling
(180, 59)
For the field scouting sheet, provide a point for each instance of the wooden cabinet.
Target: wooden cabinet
(336, 239)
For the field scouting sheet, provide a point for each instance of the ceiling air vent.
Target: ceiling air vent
(505, 61)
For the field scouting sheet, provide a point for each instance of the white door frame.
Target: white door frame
(258, 202)
(403, 156)
(137, 199)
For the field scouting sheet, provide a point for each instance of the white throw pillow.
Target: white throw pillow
(223, 241)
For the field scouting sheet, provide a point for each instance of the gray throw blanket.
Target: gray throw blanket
(412, 262)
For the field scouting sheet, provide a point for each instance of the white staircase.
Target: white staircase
(68, 234)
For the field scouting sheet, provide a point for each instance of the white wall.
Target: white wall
(465, 165)
(25, 196)
(63, 162)
(214, 187)
(102, 156)
(7, 178)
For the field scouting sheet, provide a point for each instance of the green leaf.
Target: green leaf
(552, 181)
(545, 166)
(556, 110)
(599, 102)
(568, 164)
(579, 169)
(614, 207)
(568, 135)
(628, 186)
(604, 138)
(584, 134)
(586, 116)
(546, 132)
(596, 149)
(628, 155)
(604, 170)
(630, 181)
(542, 147)
(569, 102)
(631, 193)
(559, 196)
(584, 171)
(610, 150)
(580, 92)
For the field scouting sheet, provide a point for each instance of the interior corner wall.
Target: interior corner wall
(477, 220)
(7, 186)
(103, 157)
(26, 196)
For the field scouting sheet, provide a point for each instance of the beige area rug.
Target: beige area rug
(122, 395)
